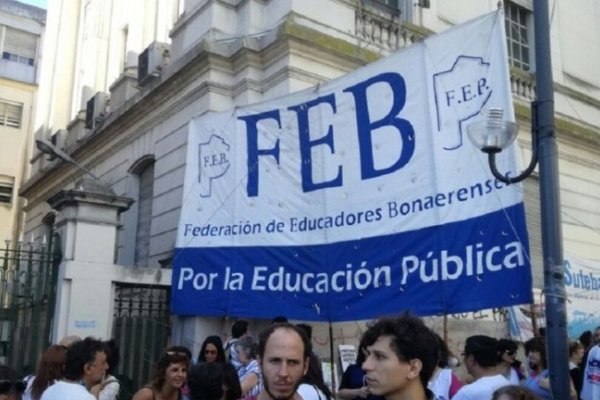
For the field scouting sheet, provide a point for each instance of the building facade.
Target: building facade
(123, 81)
(21, 34)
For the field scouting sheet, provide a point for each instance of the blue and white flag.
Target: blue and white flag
(358, 198)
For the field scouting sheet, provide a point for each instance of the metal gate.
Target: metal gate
(142, 327)
(28, 276)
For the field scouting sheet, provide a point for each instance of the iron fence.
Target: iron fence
(28, 276)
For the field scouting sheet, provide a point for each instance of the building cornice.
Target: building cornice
(186, 81)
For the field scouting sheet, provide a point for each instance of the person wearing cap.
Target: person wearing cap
(481, 359)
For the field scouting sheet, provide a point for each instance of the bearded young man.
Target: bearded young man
(401, 357)
(283, 356)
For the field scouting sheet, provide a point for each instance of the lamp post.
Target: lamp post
(48, 148)
(543, 148)
(94, 185)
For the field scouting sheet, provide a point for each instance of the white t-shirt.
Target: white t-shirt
(514, 377)
(67, 391)
(310, 392)
(27, 393)
(110, 388)
(247, 370)
(233, 355)
(591, 377)
(482, 389)
(440, 384)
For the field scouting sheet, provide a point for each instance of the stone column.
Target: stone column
(87, 221)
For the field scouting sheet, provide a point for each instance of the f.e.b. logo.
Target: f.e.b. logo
(460, 94)
(213, 160)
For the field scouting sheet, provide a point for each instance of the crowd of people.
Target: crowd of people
(398, 358)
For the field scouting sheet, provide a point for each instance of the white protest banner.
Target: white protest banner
(582, 284)
(360, 197)
(347, 355)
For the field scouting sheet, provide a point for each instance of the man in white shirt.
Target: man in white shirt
(591, 376)
(85, 366)
(481, 357)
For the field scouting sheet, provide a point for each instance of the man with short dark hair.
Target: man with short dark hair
(11, 386)
(85, 366)
(401, 354)
(238, 330)
(481, 358)
(283, 356)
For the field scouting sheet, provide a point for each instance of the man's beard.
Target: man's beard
(268, 390)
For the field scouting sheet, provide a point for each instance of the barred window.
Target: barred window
(397, 8)
(518, 22)
(10, 114)
(19, 46)
(144, 218)
(6, 190)
(389, 6)
(389, 3)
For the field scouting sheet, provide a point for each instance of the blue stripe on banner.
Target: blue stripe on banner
(465, 266)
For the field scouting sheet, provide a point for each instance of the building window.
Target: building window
(6, 190)
(403, 9)
(518, 21)
(144, 217)
(389, 3)
(10, 114)
(18, 46)
(390, 6)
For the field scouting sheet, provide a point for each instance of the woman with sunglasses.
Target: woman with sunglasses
(212, 350)
(170, 375)
(508, 363)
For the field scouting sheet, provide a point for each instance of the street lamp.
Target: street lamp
(543, 148)
(94, 185)
(494, 134)
(48, 148)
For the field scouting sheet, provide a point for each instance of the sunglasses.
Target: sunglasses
(177, 354)
(510, 352)
(7, 385)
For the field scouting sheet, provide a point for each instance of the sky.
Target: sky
(37, 3)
